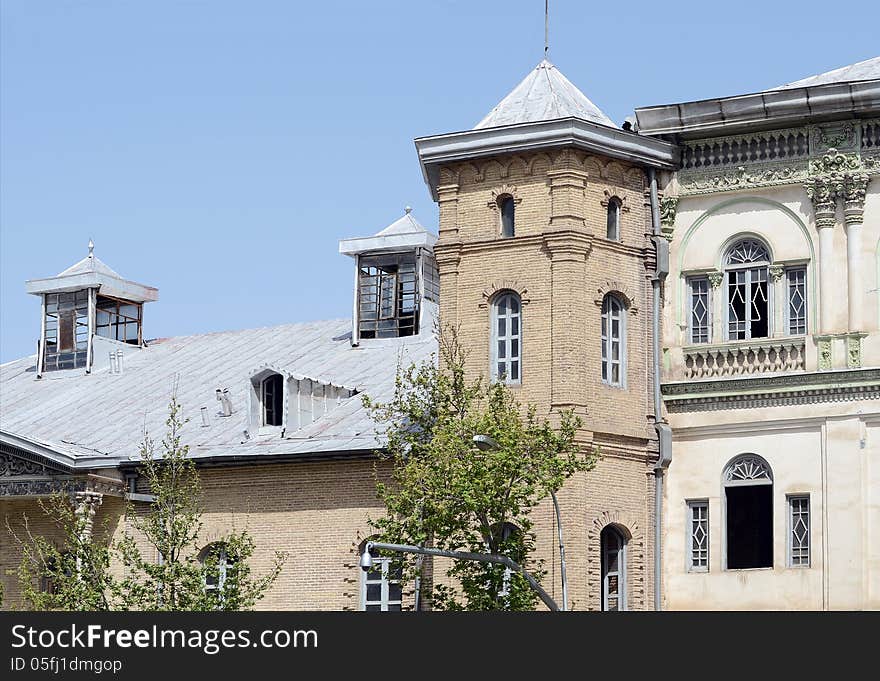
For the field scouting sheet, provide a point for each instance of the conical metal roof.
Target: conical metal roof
(543, 95)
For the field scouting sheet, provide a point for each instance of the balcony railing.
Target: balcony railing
(760, 356)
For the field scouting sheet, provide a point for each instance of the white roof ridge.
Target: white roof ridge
(867, 69)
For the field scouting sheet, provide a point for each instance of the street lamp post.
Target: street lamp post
(485, 443)
(366, 562)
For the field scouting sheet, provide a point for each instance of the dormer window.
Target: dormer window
(507, 209)
(66, 330)
(272, 390)
(388, 296)
(119, 320)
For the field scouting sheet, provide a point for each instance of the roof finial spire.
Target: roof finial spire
(91, 248)
(407, 210)
(546, 29)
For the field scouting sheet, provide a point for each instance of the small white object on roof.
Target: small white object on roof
(543, 95)
(91, 272)
(863, 70)
(404, 233)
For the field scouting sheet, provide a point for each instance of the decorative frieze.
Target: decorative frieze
(779, 157)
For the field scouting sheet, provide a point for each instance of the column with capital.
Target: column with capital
(855, 186)
(822, 191)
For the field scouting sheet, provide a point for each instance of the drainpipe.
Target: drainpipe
(664, 432)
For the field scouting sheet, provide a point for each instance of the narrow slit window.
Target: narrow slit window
(507, 207)
(799, 530)
(613, 338)
(698, 536)
(273, 400)
(612, 226)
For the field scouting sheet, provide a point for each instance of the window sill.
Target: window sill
(270, 430)
(754, 569)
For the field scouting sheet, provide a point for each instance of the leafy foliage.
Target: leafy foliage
(447, 493)
(74, 573)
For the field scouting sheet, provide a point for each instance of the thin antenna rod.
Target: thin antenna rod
(546, 28)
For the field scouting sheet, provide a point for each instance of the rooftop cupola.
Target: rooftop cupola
(395, 279)
(86, 300)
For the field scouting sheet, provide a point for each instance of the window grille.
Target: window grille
(701, 325)
(698, 512)
(797, 301)
(748, 304)
(799, 531)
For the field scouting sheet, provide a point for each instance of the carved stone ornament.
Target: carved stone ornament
(776, 271)
(853, 352)
(840, 136)
(13, 466)
(745, 177)
(668, 207)
(715, 278)
(824, 354)
(854, 191)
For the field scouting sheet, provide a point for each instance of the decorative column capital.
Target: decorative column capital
(823, 191)
(715, 278)
(854, 190)
(668, 206)
(776, 271)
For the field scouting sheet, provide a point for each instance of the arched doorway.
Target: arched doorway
(613, 545)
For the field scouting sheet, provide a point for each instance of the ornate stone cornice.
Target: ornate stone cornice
(786, 389)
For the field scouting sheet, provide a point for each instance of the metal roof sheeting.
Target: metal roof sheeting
(543, 95)
(863, 70)
(99, 419)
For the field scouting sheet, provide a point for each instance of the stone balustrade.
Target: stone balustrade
(742, 358)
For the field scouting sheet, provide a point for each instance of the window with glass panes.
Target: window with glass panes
(796, 308)
(698, 528)
(506, 337)
(747, 290)
(67, 330)
(381, 590)
(613, 336)
(799, 530)
(118, 319)
(700, 323)
(388, 296)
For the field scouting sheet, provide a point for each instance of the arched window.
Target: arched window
(747, 291)
(272, 397)
(612, 229)
(748, 497)
(613, 569)
(613, 341)
(506, 337)
(506, 207)
(218, 566)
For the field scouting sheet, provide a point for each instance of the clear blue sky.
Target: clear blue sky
(219, 150)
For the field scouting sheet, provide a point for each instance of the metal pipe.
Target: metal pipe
(663, 457)
(561, 552)
(366, 563)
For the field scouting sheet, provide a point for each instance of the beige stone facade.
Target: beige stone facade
(561, 265)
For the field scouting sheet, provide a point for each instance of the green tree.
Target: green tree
(182, 578)
(446, 493)
(71, 574)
